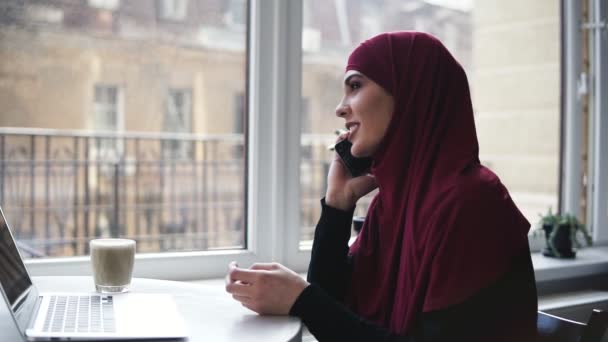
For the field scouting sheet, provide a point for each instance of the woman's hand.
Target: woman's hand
(343, 191)
(268, 289)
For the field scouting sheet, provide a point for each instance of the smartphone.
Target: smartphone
(356, 166)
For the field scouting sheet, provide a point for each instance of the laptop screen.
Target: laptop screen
(13, 276)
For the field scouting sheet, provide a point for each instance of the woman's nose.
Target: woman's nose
(341, 109)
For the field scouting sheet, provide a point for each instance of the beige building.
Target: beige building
(66, 65)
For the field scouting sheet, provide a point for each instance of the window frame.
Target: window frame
(599, 182)
(575, 84)
(274, 77)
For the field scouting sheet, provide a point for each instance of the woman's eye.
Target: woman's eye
(355, 85)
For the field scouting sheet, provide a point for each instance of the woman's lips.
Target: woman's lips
(352, 129)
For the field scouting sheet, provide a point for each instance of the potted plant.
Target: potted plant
(561, 234)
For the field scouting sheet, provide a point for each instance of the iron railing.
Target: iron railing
(59, 189)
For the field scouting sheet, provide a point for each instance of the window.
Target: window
(178, 115)
(104, 4)
(178, 119)
(172, 9)
(106, 108)
(125, 133)
(518, 131)
(107, 117)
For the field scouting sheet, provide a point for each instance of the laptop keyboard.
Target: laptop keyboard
(76, 314)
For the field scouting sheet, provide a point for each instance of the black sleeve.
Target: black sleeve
(330, 265)
(329, 320)
(504, 311)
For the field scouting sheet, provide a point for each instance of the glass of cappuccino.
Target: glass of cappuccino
(112, 261)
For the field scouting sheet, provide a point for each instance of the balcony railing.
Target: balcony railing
(169, 192)
(59, 189)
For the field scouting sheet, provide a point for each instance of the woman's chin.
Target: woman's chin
(358, 152)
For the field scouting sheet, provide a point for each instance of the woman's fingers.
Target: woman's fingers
(243, 275)
(342, 136)
(231, 266)
(242, 299)
(268, 266)
(266, 288)
(240, 289)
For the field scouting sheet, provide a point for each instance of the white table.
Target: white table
(210, 313)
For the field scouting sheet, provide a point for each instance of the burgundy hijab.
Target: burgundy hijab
(442, 226)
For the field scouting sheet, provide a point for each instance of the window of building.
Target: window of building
(104, 4)
(172, 9)
(178, 119)
(107, 117)
(106, 108)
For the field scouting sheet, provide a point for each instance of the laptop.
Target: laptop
(65, 316)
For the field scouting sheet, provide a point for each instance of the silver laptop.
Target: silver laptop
(78, 316)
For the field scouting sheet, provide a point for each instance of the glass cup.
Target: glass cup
(112, 261)
(358, 223)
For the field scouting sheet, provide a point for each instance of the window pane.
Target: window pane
(138, 95)
(106, 108)
(514, 77)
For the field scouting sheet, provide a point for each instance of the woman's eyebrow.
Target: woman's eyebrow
(349, 77)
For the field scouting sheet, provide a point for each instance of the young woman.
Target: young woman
(443, 253)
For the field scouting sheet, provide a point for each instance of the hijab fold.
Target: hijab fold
(442, 226)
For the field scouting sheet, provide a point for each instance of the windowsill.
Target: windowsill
(589, 261)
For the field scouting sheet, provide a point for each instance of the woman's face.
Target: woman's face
(367, 109)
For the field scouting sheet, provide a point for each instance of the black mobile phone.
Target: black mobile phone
(356, 166)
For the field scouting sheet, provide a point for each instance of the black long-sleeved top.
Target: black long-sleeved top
(505, 310)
